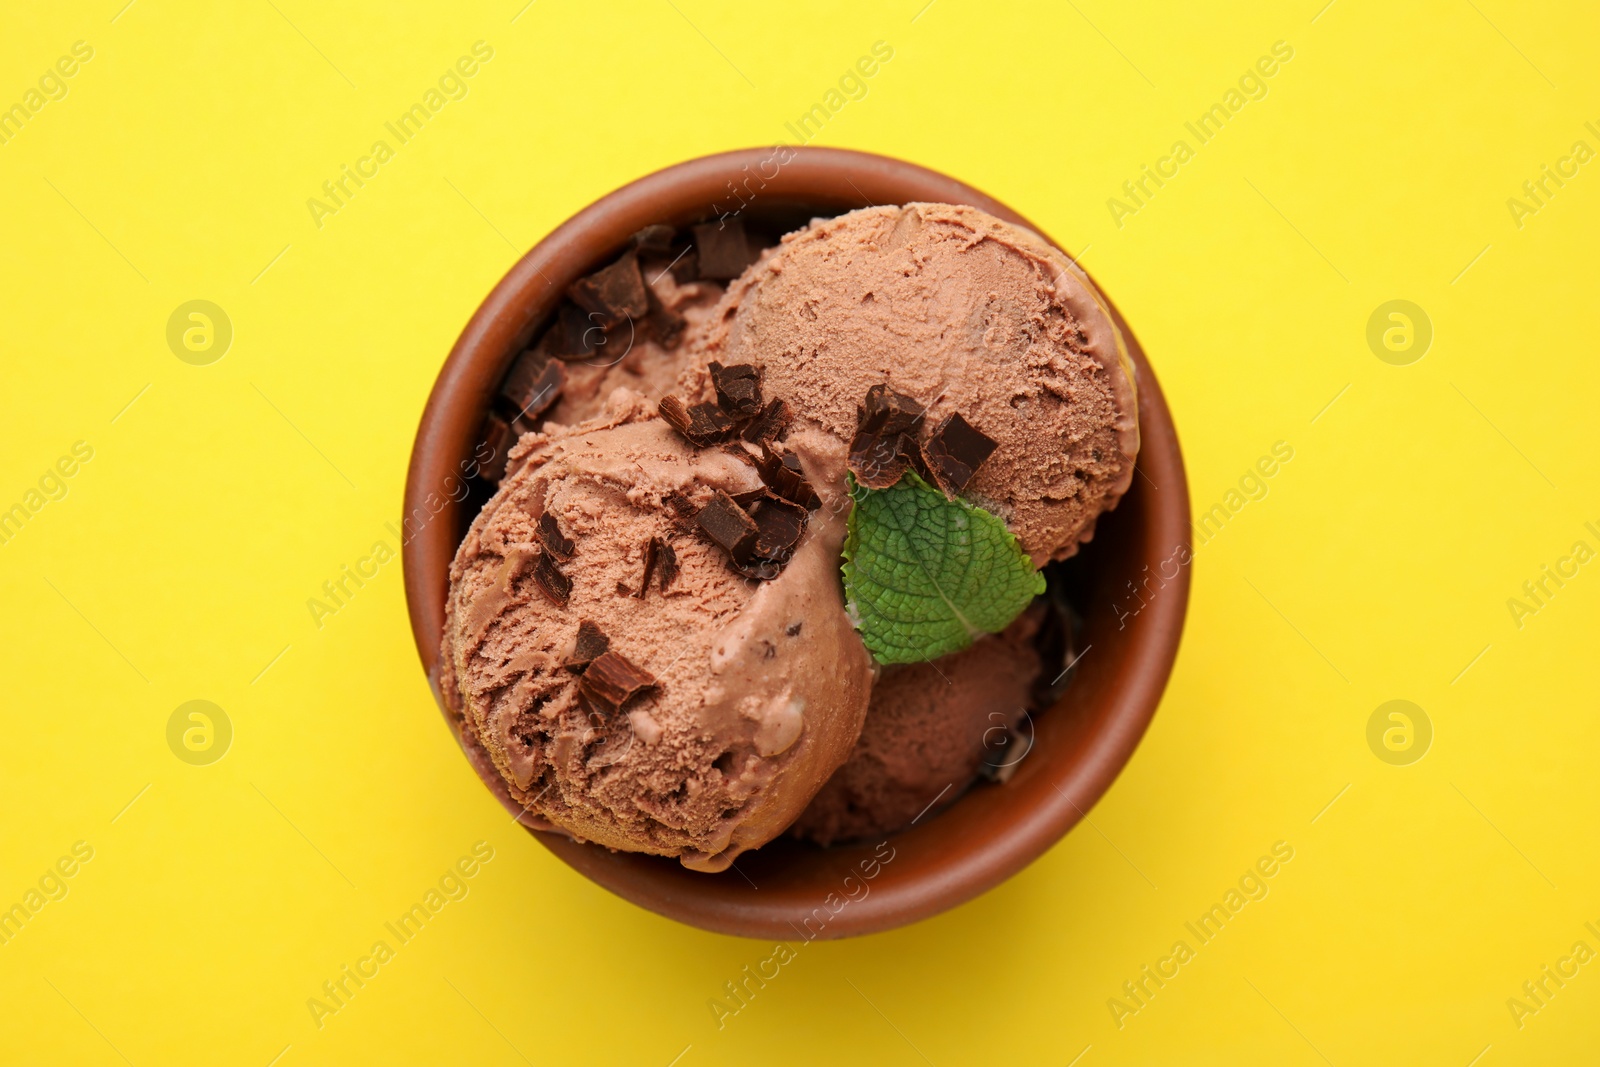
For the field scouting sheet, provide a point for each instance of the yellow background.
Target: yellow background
(1377, 567)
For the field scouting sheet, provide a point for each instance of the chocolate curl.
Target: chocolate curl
(738, 389)
(702, 425)
(555, 585)
(533, 386)
(591, 644)
(779, 527)
(613, 294)
(785, 477)
(888, 413)
(954, 451)
(497, 437)
(611, 679)
(551, 537)
(876, 460)
(652, 548)
(770, 425)
(729, 525)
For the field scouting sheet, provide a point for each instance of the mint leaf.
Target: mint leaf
(923, 575)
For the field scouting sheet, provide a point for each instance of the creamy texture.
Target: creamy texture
(965, 313)
(762, 686)
(631, 358)
(928, 728)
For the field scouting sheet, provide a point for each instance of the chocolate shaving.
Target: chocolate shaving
(497, 437)
(681, 505)
(779, 526)
(954, 451)
(572, 336)
(613, 294)
(738, 389)
(702, 424)
(908, 447)
(666, 562)
(723, 248)
(591, 644)
(876, 460)
(651, 549)
(728, 524)
(551, 582)
(656, 239)
(667, 325)
(551, 537)
(537, 395)
(686, 267)
(611, 679)
(888, 413)
(769, 425)
(785, 477)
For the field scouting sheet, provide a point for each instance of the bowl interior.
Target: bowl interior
(787, 888)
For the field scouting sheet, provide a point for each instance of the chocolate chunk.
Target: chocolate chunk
(702, 424)
(909, 448)
(533, 386)
(681, 505)
(685, 267)
(572, 336)
(954, 451)
(652, 548)
(738, 389)
(779, 525)
(785, 477)
(728, 524)
(666, 562)
(551, 582)
(876, 460)
(551, 537)
(656, 239)
(770, 425)
(613, 294)
(590, 646)
(724, 249)
(611, 679)
(667, 325)
(888, 413)
(496, 439)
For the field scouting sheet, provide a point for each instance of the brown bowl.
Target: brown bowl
(790, 889)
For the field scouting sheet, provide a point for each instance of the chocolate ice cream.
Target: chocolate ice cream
(646, 629)
(632, 688)
(969, 316)
(929, 728)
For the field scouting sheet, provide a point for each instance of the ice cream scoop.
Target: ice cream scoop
(968, 315)
(631, 687)
(929, 728)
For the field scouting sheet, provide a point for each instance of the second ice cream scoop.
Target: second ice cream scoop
(967, 315)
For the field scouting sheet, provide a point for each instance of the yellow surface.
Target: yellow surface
(1377, 566)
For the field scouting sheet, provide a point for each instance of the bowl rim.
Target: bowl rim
(934, 875)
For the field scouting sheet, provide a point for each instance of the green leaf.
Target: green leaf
(924, 576)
